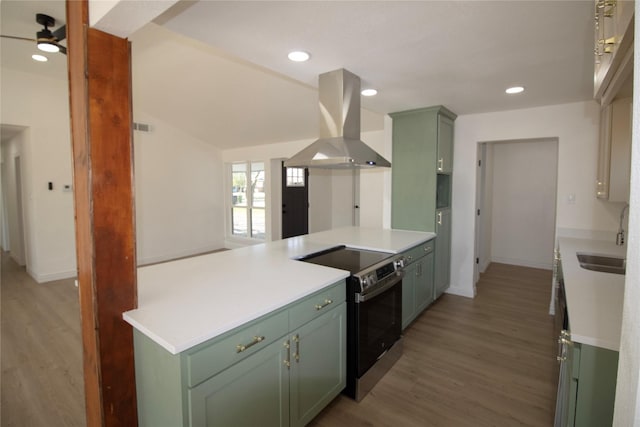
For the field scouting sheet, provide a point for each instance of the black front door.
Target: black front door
(295, 201)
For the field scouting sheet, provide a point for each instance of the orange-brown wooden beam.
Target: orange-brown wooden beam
(101, 122)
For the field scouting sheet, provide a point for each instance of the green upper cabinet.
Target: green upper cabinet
(422, 148)
(445, 144)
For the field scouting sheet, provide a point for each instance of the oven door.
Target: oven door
(378, 318)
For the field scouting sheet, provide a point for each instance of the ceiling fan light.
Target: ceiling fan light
(47, 46)
(39, 58)
(46, 41)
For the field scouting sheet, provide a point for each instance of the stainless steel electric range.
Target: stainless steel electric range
(374, 312)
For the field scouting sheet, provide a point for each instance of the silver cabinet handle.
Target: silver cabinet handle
(439, 218)
(323, 305)
(428, 249)
(440, 164)
(242, 347)
(286, 361)
(296, 355)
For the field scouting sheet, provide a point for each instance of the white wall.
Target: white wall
(179, 197)
(40, 104)
(330, 192)
(576, 127)
(524, 203)
(627, 406)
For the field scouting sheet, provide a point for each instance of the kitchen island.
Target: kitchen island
(186, 302)
(248, 328)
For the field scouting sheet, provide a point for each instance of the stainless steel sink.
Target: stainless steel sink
(606, 264)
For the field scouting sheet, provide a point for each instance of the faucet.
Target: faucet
(620, 235)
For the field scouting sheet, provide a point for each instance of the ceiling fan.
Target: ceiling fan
(46, 40)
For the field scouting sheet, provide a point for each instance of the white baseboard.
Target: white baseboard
(523, 263)
(460, 291)
(50, 277)
(175, 255)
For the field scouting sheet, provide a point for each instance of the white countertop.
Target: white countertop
(594, 299)
(186, 302)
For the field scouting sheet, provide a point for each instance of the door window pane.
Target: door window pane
(295, 177)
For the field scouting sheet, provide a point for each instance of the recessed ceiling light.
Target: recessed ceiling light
(369, 92)
(298, 56)
(39, 58)
(514, 89)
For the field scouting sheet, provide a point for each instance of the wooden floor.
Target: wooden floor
(482, 362)
(41, 351)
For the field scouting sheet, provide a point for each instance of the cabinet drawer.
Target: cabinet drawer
(238, 344)
(417, 252)
(317, 304)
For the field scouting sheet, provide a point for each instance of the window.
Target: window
(295, 177)
(248, 200)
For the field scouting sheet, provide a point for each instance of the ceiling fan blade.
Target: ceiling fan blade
(18, 38)
(62, 49)
(61, 33)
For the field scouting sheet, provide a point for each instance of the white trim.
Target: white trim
(49, 277)
(461, 291)
(142, 261)
(523, 263)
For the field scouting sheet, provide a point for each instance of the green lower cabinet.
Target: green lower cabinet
(593, 386)
(279, 370)
(254, 392)
(417, 283)
(443, 251)
(318, 365)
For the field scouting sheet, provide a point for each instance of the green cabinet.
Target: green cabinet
(443, 251)
(421, 180)
(417, 284)
(259, 382)
(593, 386)
(279, 370)
(587, 384)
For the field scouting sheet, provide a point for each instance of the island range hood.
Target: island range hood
(339, 146)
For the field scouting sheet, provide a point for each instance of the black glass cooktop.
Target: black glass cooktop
(353, 260)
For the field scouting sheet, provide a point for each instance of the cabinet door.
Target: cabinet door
(253, 392)
(443, 251)
(445, 145)
(413, 175)
(424, 283)
(408, 294)
(318, 365)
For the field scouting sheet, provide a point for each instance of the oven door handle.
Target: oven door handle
(362, 298)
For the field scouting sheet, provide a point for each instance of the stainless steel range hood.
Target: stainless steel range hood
(339, 146)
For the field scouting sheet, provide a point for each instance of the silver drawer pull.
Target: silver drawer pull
(242, 347)
(323, 305)
(428, 249)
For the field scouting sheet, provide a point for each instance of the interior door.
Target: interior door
(295, 201)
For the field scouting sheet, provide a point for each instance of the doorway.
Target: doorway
(295, 201)
(516, 203)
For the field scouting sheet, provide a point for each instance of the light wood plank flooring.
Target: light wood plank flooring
(41, 351)
(481, 362)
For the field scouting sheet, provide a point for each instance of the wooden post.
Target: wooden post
(101, 122)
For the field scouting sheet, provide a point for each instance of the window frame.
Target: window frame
(250, 236)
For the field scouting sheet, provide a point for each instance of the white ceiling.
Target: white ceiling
(218, 69)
